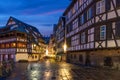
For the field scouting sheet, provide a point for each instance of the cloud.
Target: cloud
(39, 13)
(53, 12)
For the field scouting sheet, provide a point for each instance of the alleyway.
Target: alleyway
(50, 70)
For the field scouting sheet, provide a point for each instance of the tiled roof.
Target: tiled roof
(26, 25)
(21, 27)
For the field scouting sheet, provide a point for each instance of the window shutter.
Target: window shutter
(109, 31)
(117, 29)
(93, 10)
(97, 33)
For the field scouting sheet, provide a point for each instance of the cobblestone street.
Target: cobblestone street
(49, 70)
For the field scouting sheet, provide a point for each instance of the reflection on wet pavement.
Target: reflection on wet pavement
(49, 70)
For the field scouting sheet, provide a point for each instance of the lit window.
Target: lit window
(7, 45)
(2, 45)
(103, 32)
(17, 50)
(13, 44)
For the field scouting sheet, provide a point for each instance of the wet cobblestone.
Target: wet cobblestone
(60, 71)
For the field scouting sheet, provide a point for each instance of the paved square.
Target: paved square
(60, 71)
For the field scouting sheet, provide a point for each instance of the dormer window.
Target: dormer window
(14, 26)
(11, 22)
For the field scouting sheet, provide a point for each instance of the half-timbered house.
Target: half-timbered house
(20, 41)
(93, 32)
(59, 39)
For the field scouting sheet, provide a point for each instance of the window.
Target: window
(83, 37)
(35, 56)
(13, 44)
(73, 9)
(32, 57)
(69, 28)
(75, 40)
(71, 56)
(7, 45)
(82, 19)
(100, 7)
(2, 45)
(80, 58)
(117, 29)
(68, 42)
(69, 15)
(91, 35)
(76, 6)
(75, 24)
(108, 5)
(74, 56)
(80, 2)
(13, 27)
(85, 17)
(79, 22)
(108, 61)
(118, 3)
(90, 13)
(103, 32)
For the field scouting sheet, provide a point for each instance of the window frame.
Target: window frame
(103, 32)
(100, 7)
(83, 37)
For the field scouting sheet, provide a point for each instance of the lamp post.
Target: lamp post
(46, 52)
(65, 33)
(65, 47)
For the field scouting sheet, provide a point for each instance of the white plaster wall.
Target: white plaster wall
(21, 56)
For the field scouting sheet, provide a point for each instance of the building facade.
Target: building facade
(20, 41)
(92, 32)
(60, 39)
(51, 45)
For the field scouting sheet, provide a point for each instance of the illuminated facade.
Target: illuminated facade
(59, 34)
(51, 45)
(20, 41)
(93, 32)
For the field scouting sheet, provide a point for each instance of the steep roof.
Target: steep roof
(14, 24)
(24, 25)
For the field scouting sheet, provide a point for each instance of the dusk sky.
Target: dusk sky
(40, 13)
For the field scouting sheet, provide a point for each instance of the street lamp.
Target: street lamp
(65, 41)
(65, 47)
(34, 45)
(46, 52)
